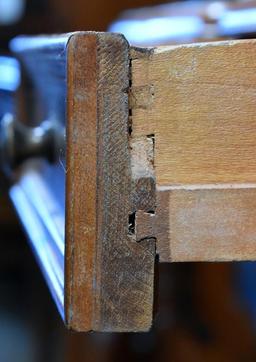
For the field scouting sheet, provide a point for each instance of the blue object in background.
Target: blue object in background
(10, 79)
(156, 30)
(245, 286)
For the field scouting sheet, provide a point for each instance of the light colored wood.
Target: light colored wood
(207, 224)
(199, 101)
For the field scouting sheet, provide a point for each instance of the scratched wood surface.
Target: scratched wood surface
(109, 277)
(198, 102)
(81, 81)
(160, 146)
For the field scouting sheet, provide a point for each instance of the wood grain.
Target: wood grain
(81, 167)
(207, 224)
(80, 81)
(177, 119)
(109, 277)
(199, 101)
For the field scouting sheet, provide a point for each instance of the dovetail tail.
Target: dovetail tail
(141, 220)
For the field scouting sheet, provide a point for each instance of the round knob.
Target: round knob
(19, 142)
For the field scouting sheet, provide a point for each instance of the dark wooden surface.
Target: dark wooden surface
(109, 288)
(81, 81)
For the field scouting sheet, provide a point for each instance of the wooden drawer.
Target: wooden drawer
(159, 160)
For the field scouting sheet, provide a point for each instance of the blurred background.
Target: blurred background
(206, 312)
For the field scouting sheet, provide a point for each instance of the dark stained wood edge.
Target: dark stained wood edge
(109, 276)
(81, 166)
(127, 268)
